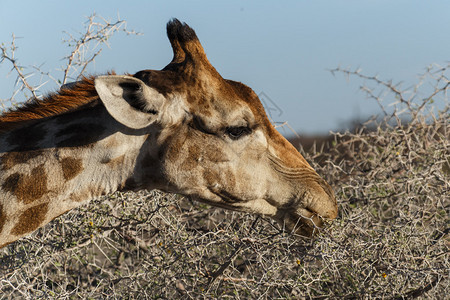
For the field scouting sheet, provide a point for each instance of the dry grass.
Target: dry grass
(389, 241)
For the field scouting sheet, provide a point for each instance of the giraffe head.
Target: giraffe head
(214, 140)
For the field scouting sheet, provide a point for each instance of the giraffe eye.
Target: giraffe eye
(237, 132)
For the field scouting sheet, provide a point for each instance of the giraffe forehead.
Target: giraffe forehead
(232, 103)
(219, 113)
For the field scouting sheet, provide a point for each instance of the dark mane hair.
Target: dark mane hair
(65, 100)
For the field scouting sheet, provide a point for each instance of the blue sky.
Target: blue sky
(280, 48)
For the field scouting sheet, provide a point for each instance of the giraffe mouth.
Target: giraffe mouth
(299, 220)
(302, 222)
(215, 203)
(226, 196)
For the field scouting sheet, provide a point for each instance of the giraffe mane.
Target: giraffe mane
(65, 100)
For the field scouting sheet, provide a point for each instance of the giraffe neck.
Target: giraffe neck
(56, 164)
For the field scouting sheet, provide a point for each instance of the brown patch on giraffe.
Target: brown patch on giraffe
(10, 159)
(114, 162)
(71, 167)
(193, 157)
(205, 110)
(2, 218)
(194, 151)
(174, 150)
(230, 178)
(27, 188)
(30, 219)
(225, 178)
(215, 154)
(66, 100)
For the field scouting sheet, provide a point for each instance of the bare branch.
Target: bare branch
(85, 48)
(97, 33)
(8, 54)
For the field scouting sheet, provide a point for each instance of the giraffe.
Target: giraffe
(183, 129)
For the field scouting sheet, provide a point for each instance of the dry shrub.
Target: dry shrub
(390, 240)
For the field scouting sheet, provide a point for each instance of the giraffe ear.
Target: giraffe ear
(129, 100)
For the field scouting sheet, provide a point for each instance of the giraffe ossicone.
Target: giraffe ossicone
(182, 129)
